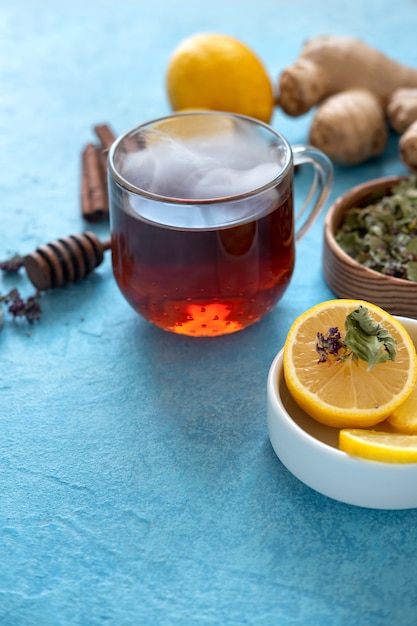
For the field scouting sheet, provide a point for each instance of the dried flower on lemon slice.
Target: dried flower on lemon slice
(349, 363)
(379, 446)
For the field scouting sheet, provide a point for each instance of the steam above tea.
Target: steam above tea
(187, 166)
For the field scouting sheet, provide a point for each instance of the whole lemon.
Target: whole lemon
(218, 72)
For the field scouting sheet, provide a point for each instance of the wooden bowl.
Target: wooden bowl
(348, 278)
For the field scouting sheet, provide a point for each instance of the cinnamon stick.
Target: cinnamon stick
(102, 156)
(105, 135)
(94, 195)
(94, 188)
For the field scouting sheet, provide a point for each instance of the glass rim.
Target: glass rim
(123, 182)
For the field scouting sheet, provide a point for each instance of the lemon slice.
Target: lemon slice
(379, 446)
(404, 417)
(346, 393)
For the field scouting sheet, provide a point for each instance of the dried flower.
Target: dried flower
(329, 345)
(12, 265)
(18, 307)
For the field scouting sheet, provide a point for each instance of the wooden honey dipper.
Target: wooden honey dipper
(65, 260)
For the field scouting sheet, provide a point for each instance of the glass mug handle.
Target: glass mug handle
(320, 187)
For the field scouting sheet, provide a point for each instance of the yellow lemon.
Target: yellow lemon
(218, 72)
(379, 446)
(344, 392)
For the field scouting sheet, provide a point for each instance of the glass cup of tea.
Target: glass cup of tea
(202, 220)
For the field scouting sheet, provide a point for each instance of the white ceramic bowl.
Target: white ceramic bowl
(309, 450)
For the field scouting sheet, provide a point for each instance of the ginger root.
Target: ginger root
(350, 127)
(402, 109)
(402, 115)
(353, 86)
(408, 147)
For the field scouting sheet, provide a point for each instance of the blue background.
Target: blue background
(137, 481)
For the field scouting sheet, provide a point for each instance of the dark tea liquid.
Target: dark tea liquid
(204, 282)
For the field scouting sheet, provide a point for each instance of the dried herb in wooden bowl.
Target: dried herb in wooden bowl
(383, 234)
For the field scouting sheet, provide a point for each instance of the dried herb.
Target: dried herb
(364, 340)
(383, 235)
(19, 307)
(12, 265)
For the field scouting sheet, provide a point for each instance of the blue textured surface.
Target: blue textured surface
(137, 482)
